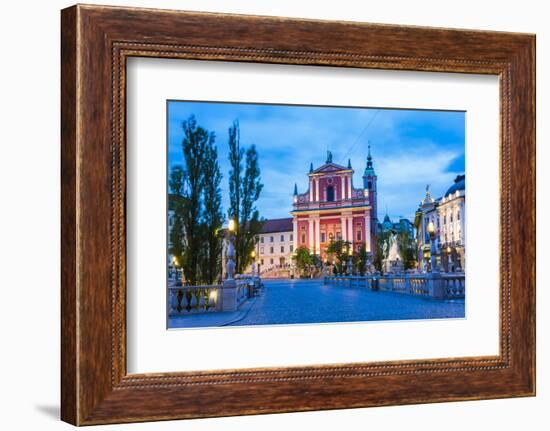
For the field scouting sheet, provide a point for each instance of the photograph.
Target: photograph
(282, 214)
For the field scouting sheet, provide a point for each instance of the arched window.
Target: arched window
(330, 194)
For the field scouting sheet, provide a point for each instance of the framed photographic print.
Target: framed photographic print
(269, 215)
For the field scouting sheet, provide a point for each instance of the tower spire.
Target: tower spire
(349, 163)
(295, 189)
(369, 159)
(369, 169)
(311, 167)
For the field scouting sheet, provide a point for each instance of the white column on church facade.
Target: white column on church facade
(350, 229)
(295, 233)
(317, 190)
(367, 233)
(311, 190)
(343, 184)
(310, 223)
(343, 228)
(317, 236)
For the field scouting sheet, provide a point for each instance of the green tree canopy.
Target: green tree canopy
(244, 190)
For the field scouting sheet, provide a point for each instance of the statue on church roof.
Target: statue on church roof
(329, 157)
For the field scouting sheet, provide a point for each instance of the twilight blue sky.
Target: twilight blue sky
(410, 148)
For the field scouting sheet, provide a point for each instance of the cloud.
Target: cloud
(410, 148)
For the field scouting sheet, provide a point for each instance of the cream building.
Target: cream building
(448, 215)
(275, 247)
(451, 212)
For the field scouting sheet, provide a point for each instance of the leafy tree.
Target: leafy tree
(244, 190)
(212, 217)
(176, 204)
(339, 251)
(407, 249)
(360, 260)
(382, 239)
(303, 259)
(196, 144)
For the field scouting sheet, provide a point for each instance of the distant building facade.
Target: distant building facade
(402, 225)
(333, 209)
(448, 215)
(275, 245)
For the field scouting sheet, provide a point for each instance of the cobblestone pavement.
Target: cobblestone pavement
(310, 301)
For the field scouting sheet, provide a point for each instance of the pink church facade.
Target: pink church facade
(333, 208)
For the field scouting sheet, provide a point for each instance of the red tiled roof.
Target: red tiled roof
(277, 225)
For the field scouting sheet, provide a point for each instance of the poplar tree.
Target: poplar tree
(213, 216)
(244, 190)
(175, 204)
(196, 143)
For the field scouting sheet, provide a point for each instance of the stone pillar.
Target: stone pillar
(344, 228)
(310, 190)
(350, 230)
(317, 198)
(229, 295)
(310, 237)
(317, 236)
(343, 184)
(435, 285)
(368, 239)
(295, 233)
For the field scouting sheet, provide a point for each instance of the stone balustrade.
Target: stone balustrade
(228, 296)
(433, 285)
(193, 299)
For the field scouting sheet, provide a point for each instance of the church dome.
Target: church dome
(460, 184)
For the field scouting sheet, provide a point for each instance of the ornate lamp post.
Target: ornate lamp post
(449, 262)
(175, 265)
(433, 251)
(253, 255)
(230, 250)
(350, 263)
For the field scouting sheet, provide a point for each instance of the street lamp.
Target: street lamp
(253, 255)
(175, 265)
(350, 263)
(449, 263)
(433, 259)
(230, 250)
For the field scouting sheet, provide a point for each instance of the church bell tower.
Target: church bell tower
(369, 185)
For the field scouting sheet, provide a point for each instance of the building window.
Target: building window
(444, 219)
(451, 217)
(303, 238)
(330, 236)
(282, 249)
(261, 261)
(292, 237)
(359, 237)
(323, 237)
(338, 236)
(458, 215)
(271, 261)
(271, 250)
(262, 239)
(291, 248)
(271, 239)
(261, 250)
(330, 194)
(369, 185)
(282, 238)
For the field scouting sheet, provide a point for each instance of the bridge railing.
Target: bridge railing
(228, 296)
(433, 285)
(194, 299)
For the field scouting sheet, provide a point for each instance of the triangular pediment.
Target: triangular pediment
(328, 168)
